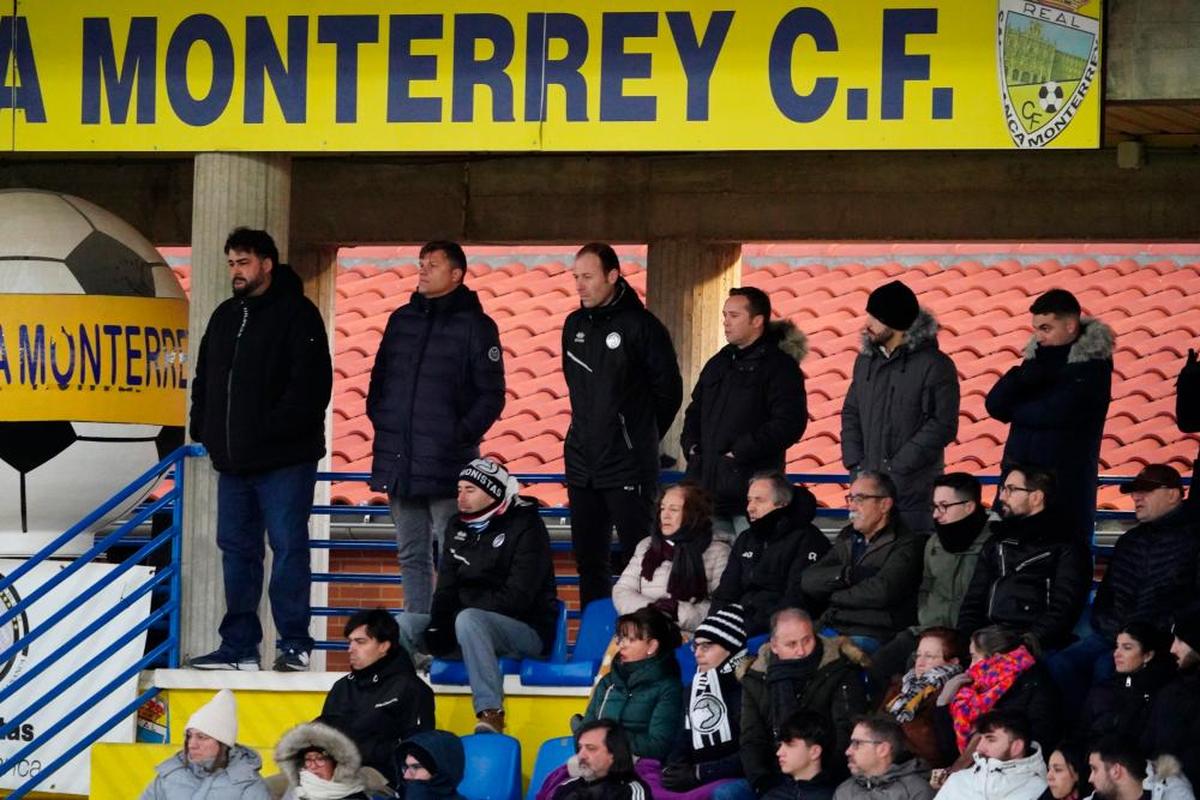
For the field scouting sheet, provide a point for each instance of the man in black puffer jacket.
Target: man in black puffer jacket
(382, 701)
(436, 388)
(749, 406)
(262, 383)
(1152, 576)
(625, 390)
(1056, 400)
(1034, 575)
(495, 590)
(768, 558)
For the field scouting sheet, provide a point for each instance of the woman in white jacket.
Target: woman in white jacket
(676, 568)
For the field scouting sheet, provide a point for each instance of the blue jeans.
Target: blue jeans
(1084, 664)
(739, 789)
(280, 501)
(484, 637)
(419, 521)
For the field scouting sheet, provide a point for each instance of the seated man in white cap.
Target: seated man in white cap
(495, 587)
(211, 764)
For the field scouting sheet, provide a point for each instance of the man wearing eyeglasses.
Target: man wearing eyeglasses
(869, 579)
(431, 765)
(961, 529)
(1034, 575)
(437, 385)
(875, 745)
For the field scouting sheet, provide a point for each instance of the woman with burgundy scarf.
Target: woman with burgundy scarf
(676, 568)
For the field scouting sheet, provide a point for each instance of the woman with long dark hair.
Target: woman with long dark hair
(677, 567)
(1121, 704)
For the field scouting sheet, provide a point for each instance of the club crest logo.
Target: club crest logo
(613, 340)
(1048, 57)
(10, 633)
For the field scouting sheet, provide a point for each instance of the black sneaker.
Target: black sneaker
(221, 659)
(291, 661)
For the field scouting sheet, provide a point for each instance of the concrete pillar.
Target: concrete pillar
(229, 189)
(687, 283)
(317, 267)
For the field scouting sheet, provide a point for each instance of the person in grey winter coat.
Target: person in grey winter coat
(875, 746)
(902, 406)
(317, 761)
(1056, 401)
(211, 765)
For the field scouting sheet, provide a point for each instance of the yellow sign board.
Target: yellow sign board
(550, 75)
(91, 358)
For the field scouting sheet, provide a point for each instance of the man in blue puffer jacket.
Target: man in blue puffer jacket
(436, 388)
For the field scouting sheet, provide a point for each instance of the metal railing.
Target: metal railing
(166, 578)
(129, 533)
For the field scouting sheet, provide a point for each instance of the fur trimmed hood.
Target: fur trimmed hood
(831, 649)
(1096, 342)
(338, 745)
(922, 333)
(791, 339)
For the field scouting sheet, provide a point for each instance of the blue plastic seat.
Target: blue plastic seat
(596, 630)
(493, 769)
(454, 672)
(552, 754)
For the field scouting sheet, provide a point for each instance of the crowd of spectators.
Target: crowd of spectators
(936, 645)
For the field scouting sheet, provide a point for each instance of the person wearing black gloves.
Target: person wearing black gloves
(495, 588)
(1056, 401)
(625, 389)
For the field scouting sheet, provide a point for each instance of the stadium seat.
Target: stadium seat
(454, 672)
(552, 754)
(595, 632)
(493, 770)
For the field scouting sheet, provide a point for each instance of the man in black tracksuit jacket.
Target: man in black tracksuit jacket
(382, 701)
(748, 407)
(436, 387)
(625, 390)
(262, 382)
(1034, 575)
(495, 588)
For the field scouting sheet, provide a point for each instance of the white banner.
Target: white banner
(61, 700)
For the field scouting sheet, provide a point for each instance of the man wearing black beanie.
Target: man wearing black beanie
(902, 406)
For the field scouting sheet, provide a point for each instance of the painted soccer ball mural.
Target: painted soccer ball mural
(1050, 97)
(93, 337)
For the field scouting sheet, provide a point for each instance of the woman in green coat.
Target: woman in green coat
(643, 690)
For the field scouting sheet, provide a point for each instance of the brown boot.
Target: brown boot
(491, 720)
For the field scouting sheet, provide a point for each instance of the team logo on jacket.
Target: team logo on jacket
(613, 340)
(1048, 57)
(498, 541)
(494, 354)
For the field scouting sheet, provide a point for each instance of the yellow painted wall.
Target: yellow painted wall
(121, 771)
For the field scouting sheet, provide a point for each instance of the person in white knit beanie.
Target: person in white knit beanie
(211, 764)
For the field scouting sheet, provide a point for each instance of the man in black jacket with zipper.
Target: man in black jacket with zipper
(748, 407)
(625, 389)
(262, 382)
(1034, 575)
(495, 588)
(382, 701)
(437, 385)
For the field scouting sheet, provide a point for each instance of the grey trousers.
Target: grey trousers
(418, 520)
(484, 637)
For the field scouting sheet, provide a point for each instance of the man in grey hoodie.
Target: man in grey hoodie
(875, 745)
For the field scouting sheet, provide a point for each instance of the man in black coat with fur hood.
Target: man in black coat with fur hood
(749, 406)
(902, 406)
(1056, 401)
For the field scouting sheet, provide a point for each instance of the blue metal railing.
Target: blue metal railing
(168, 578)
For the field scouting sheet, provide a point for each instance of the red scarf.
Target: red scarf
(990, 678)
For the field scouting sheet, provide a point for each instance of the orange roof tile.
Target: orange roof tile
(979, 292)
